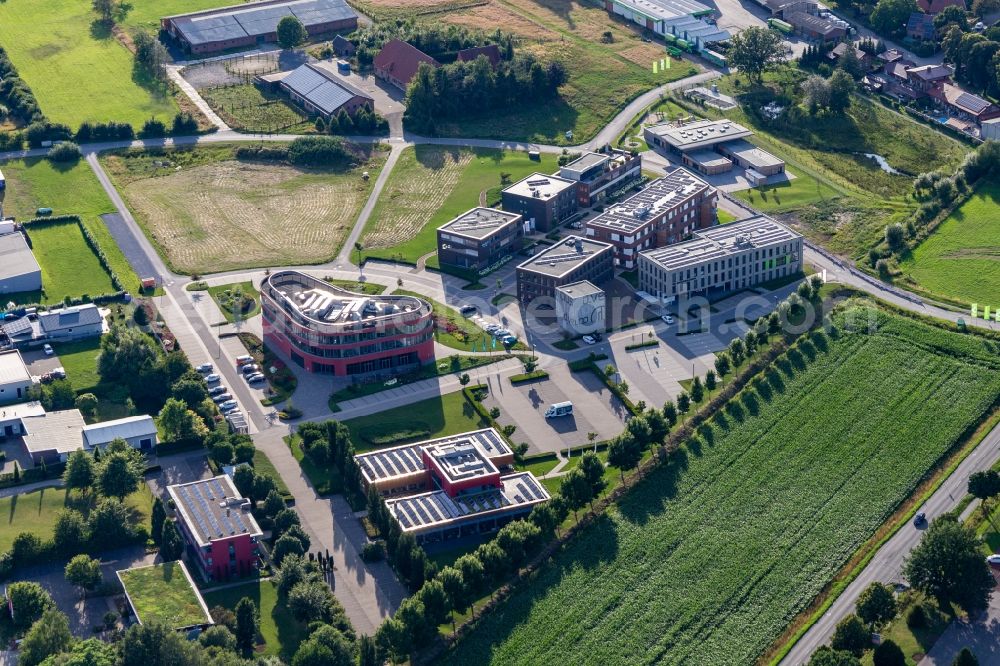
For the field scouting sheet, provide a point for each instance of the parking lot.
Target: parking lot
(595, 409)
(38, 363)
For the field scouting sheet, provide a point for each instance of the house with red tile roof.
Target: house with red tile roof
(398, 61)
(491, 51)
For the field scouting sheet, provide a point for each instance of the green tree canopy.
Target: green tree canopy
(890, 16)
(291, 32)
(48, 636)
(948, 565)
(754, 51)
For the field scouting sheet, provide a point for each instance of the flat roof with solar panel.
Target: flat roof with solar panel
(480, 222)
(435, 510)
(540, 186)
(652, 202)
(699, 134)
(213, 509)
(565, 256)
(401, 462)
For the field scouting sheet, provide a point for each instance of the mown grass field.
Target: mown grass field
(69, 266)
(208, 212)
(429, 186)
(36, 512)
(709, 558)
(280, 632)
(36, 182)
(449, 414)
(602, 77)
(961, 259)
(79, 358)
(77, 69)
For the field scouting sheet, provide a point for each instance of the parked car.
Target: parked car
(468, 310)
(590, 340)
(667, 319)
(228, 405)
(492, 328)
(230, 409)
(501, 333)
(920, 519)
(244, 359)
(212, 378)
(47, 348)
(222, 397)
(256, 377)
(217, 390)
(250, 368)
(205, 368)
(58, 373)
(509, 340)
(993, 560)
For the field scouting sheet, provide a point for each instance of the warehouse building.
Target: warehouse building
(712, 147)
(139, 432)
(452, 486)
(319, 91)
(254, 23)
(580, 308)
(667, 210)
(221, 533)
(721, 260)
(544, 201)
(598, 175)
(330, 330)
(682, 19)
(19, 270)
(480, 240)
(568, 261)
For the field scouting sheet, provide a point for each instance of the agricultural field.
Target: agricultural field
(448, 414)
(247, 108)
(279, 631)
(602, 77)
(208, 212)
(431, 185)
(76, 67)
(69, 266)
(710, 558)
(960, 259)
(68, 189)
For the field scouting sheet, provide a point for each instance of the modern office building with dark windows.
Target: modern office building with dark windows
(598, 175)
(480, 239)
(722, 259)
(544, 201)
(568, 261)
(330, 330)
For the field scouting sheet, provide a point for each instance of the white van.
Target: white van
(559, 409)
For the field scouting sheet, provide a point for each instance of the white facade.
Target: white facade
(138, 431)
(580, 308)
(15, 380)
(990, 129)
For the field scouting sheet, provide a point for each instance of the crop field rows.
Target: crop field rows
(710, 558)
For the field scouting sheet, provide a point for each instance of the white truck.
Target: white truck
(559, 409)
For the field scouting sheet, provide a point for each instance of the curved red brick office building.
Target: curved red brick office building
(330, 330)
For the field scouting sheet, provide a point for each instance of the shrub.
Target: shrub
(917, 617)
(373, 551)
(64, 151)
(153, 128)
(318, 151)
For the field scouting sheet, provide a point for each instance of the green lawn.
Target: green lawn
(222, 295)
(707, 560)
(280, 632)
(36, 512)
(263, 465)
(792, 194)
(431, 185)
(326, 481)
(247, 108)
(449, 414)
(76, 68)
(69, 266)
(458, 332)
(68, 190)
(540, 465)
(371, 288)
(162, 593)
(914, 643)
(725, 217)
(961, 259)
(79, 358)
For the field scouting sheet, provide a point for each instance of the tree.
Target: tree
(575, 489)
(84, 572)
(171, 542)
(737, 351)
(851, 635)
(70, 532)
(157, 518)
(291, 32)
(722, 364)
(754, 51)
(151, 56)
(48, 636)
(120, 472)
(273, 504)
(683, 402)
(246, 626)
(106, 9)
(190, 391)
(455, 588)
(710, 380)
(86, 403)
(310, 600)
(984, 485)
(889, 16)
(218, 636)
(624, 453)
(29, 601)
(815, 93)
(841, 88)
(91, 652)
(827, 656)
(593, 472)
(948, 565)
(79, 472)
(368, 651)
(111, 519)
(697, 389)
(325, 647)
(851, 63)
(156, 644)
(965, 658)
(670, 413)
(888, 654)
(876, 605)
(179, 423)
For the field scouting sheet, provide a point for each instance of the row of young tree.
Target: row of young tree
(469, 89)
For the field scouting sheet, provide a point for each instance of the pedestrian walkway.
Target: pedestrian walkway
(29, 487)
(174, 72)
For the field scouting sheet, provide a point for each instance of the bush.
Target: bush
(917, 617)
(319, 151)
(64, 151)
(153, 128)
(373, 551)
(267, 153)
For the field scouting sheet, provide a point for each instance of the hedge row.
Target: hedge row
(528, 376)
(15, 93)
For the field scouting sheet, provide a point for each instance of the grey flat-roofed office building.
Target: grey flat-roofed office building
(544, 200)
(568, 261)
(240, 26)
(749, 156)
(722, 259)
(19, 270)
(480, 239)
(698, 135)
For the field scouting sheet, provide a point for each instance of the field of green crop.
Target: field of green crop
(709, 559)
(960, 259)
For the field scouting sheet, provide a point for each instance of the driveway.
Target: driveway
(982, 636)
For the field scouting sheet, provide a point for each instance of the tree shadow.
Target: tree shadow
(735, 411)
(809, 349)
(436, 157)
(650, 496)
(764, 389)
(751, 402)
(796, 358)
(100, 29)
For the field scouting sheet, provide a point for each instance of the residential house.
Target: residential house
(491, 51)
(964, 105)
(15, 380)
(72, 323)
(920, 27)
(398, 61)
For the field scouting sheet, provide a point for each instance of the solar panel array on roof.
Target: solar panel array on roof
(215, 510)
(972, 103)
(317, 89)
